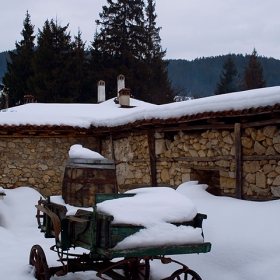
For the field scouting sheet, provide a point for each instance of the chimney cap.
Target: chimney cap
(124, 91)
(121, 77)
(101, 83)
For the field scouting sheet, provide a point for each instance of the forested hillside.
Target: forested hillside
(198, 78)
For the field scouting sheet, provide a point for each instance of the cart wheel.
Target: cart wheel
(191, 275)
(137, 269)
(186, 275)
(38, 260)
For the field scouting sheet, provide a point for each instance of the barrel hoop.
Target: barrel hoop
(90, 180)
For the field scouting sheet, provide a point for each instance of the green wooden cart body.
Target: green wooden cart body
(95, 232)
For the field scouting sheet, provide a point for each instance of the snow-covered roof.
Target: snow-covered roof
(109, 114)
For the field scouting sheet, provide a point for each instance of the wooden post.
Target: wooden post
(152, 153)
(238, 160)
(98, 145)
(112, 147)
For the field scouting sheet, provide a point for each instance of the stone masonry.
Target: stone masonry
(185, 155)
(180, 157)
(37, 162)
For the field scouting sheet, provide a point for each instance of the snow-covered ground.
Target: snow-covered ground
(244, 237)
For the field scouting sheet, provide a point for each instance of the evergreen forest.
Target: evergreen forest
(53, 67)
(199, 77)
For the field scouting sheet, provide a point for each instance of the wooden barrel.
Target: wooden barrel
(83, 178)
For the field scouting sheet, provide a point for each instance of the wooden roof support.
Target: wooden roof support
(112, 147)
(152, 153)
(238, 161)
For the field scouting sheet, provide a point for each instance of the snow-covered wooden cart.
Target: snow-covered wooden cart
(97, 232)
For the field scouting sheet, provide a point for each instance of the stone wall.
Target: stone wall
(37, 162)
(132, 161)
(261, 177)
(206, 156)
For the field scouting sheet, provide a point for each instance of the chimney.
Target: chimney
(120, 83)
(101, 97)
(28, 99)
(124, 97)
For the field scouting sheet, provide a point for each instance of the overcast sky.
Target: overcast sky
(190, 28)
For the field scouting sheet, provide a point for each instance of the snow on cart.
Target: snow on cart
(122, 234)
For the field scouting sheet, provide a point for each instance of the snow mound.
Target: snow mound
(78, 151)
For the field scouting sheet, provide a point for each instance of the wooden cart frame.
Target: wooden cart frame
(95, 232)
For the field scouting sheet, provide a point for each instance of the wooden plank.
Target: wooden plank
(90, 180)
(156, 251)
(203, 159)
(100, 197)
(261, 123)
(238, 160)
(189, 127)
(76, 219)
(261, 157)
(89, 166)
(90, 161)
(207, 168)
(54, 218)
(152, 154)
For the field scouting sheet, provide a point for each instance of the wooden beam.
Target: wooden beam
(261, 123)
(207, 168)
(261, 157)
(152, 153)
(238, 160)
(202, 159)
(189, 127)
(112, 147)
(98, 145)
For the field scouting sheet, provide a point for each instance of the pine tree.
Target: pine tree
(253, 73)
(120, 45)
(79, 69)
(53, 80)
(122, 29)
(129, 44)
(162, 92)
(19, 69)
(154, 48)
(229, 81)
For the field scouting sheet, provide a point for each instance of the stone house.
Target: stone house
(231, 143)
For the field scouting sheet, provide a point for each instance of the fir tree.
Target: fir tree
(79, 69)
(162, 92)
(154, 48)
(53, 80)
(253, 73)
(229, 81)
(122, 29)
(129, 44)
(19, 69)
